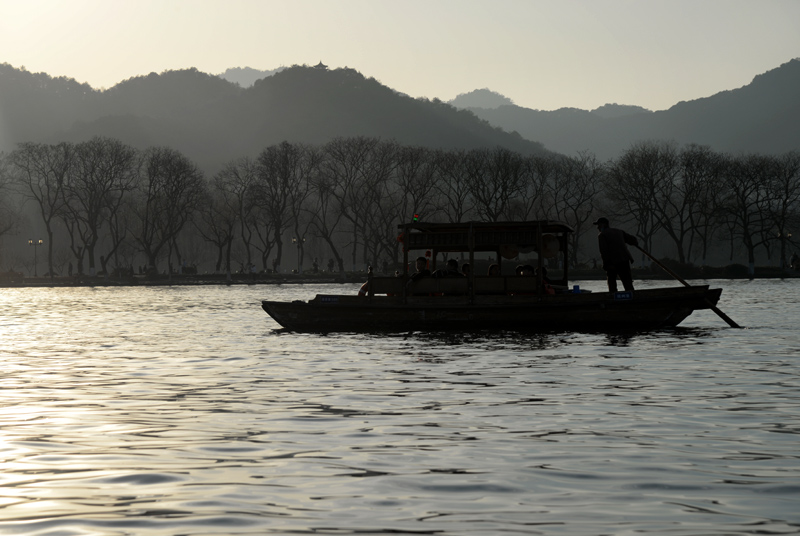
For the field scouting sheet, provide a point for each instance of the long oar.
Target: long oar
(713, 307)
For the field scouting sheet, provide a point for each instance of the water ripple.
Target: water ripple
(188, 411)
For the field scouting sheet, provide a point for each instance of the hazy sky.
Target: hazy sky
(541, 54)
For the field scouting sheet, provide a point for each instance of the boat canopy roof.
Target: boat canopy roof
(479, 236)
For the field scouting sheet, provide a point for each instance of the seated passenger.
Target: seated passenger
(494, 270)
(465, 268)
(526, 270)
(451, 270)
(421, 265)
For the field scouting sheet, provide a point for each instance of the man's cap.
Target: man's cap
(600, 220)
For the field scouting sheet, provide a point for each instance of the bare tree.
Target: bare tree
(103, 173)
(278, 178)
(119, 226)
(702, 184)
(573, 191)
(379, 214)
(413, 192)
(452, 186)
(169, 194)
(494, 179)
(324, 212)
(631, 188)
(41, 172)
(239, 179)
(784, 209)
(674, 195)
(218, 216)
(264, 236)
(9, 214)
(746, 203)
(534, 200)
(415, 180)
(348, 165)
(237, 182)
(308, 167)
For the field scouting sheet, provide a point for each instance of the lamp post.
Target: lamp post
(35, 244)
(299, 242)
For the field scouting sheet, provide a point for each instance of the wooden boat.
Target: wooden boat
(398, 304)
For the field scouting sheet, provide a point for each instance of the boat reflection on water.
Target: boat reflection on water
(443, 346)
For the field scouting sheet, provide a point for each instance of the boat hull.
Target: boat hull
(642, 309)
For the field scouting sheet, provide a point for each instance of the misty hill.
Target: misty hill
(213, 121)
(34, 105)
(168, 95)
(761, 117)
(246, 76)
(487, 99)
(481, 98)
(610, 111)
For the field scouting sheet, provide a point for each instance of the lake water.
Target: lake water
(185, 410)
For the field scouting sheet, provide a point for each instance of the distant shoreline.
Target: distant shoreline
(347, 278)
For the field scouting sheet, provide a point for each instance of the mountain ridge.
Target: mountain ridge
(758, 117)
(214, 120)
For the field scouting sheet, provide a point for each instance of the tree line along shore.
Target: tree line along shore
(105, 207)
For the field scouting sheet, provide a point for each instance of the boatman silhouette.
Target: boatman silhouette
(617, 259)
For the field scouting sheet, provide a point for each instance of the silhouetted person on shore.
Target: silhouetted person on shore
(617, 259)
